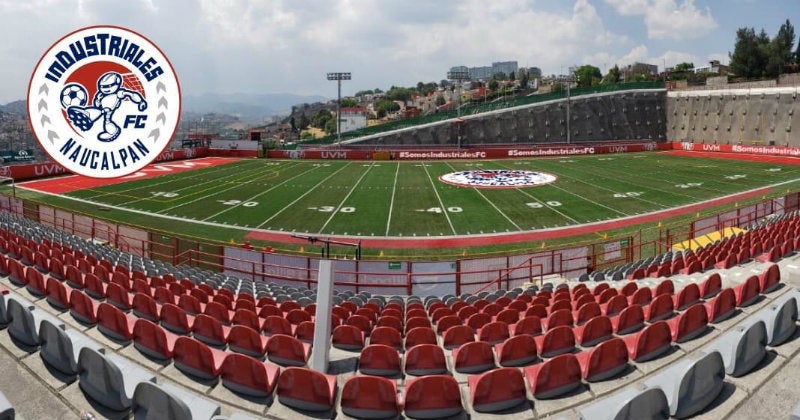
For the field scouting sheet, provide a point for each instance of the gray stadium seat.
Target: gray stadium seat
(780, 318)
(632, 403)
(157, 401)
(6, 409)
(691, 384)
(60, 347)
(741, 348)
(25, 321)
(4, 318)
(110, 380)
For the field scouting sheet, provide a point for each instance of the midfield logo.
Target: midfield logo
(104, 101)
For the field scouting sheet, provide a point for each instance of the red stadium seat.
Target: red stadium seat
(190, 304)
(176, 320)
(245, 340)
(274, 324)
(152, 340)
(605, 361)
(473, 357)
(361, 322)
(306, 389)
(370, 397)
(587, 312)
(721, 307)
(530, 325)
(425, 359)
(305, 331)
(380, 360)
(606, 295)
(433, 396)
(114, 323)
(412, 323)
(497, 390)
(420, 335)
(218, 311)
(445, 323)
(83, 307)
(286, 350)
(556, 341)
(210, 330)
(196, 358)
(666, 286)
(493, 332)
(347, 337)
(689, 324)
(457, 335)
(519, 350)
(559, 318)
(537, 310)
(144, 306)
(649, 343)
(58, 294)
(247, 318)
(597, 330)
(269, 310)
(769, 279)
(118, 296)
(477, 321)
(390, 322)
(629, 320)
(163, 296)
(248, 376)
(748, 292)
(387, 336)
(686, 297)
(614, 305)
(466, 312)
(440, 313)
(641, 297)
(659, 308)
(554, 377)
(74, 277)
(509, 316)
(560, 305)
(711, 286)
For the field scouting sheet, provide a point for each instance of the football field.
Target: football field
(407, 199)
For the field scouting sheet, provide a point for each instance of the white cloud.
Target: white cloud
(668, 19)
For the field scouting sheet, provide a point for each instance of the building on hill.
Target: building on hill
(713, 67)
(353, 119)
(639, 69)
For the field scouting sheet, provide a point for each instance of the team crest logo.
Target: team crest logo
(497, 178)
(104, 101)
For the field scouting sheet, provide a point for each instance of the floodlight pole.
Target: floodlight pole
(339, 76)
(459, 77)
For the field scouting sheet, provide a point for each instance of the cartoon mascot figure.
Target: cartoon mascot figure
(108, 98)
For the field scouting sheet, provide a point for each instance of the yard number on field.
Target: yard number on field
(538, 205)
(331, 209)
(238, 203)
(628, 194)
(165, 194)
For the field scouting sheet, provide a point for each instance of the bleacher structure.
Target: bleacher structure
(682, 334)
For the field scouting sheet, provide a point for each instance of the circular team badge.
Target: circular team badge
(497, 178)
(104, 101)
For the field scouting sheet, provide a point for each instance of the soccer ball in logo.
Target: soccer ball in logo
(73, 94)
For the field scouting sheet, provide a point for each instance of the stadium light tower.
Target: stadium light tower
(459, 77)
(339, 76)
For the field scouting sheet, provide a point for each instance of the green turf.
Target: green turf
(407, 199)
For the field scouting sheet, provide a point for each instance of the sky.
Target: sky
(288, 46)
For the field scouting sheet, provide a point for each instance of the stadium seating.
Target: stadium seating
(497, 390)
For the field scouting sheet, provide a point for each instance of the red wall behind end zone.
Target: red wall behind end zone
(38, 170)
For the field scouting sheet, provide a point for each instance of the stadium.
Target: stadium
(612, 251)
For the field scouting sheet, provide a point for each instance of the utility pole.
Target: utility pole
(459, 77)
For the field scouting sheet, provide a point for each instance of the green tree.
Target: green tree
(683, 66)
(303, 122)
(511, 76)
(321, 118)
(779, 51)
(612, 77)
(330, 126)
(493, 84)
(748, 58)
(398, 94)
(522, 76)
(500, 76)
(588, 75)
(385, 106)
(440, 100)
(348, 103)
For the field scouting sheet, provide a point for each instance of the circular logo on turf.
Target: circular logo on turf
(104, 101)
(497, 178)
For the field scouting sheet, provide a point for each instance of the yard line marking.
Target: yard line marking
(203, 197)
(213, 181)
(491, 203)
(304, 194)
(341, 203)
(391, 203)
(229, 208)
(438, 197)
(212, 170)
(531, 196)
